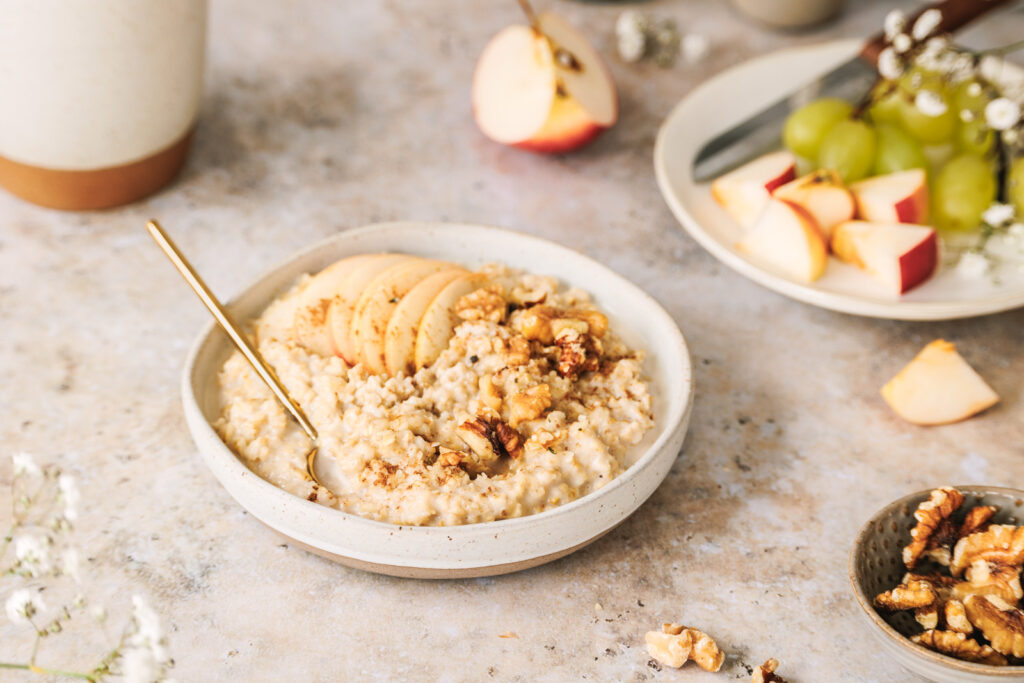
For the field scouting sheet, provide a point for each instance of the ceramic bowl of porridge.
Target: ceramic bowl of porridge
(486, 401)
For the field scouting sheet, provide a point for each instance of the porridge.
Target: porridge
(465, 397)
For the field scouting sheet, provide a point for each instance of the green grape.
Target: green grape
(885, 105)
(897, 150)
(963, 189)
(929, 129)
(975, 137)
(1015, 186)
(806, 126)
(917, 78)
(970, 96)
(848, 149)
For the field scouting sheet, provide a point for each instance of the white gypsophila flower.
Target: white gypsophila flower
(998, 215)
(1016, 231)
(902, 42)
(22, 605)
(966, 115)
(631, 35)
(895, 22)
(33, 554)
(926, 23)
(99, 613)
(695, 47)
(70, 494)
(138, 665)
(1010, 136)
(930, 103)
(1002, 113)
(69, 565)
(972, 265)
(25, 464)
(148, 632)
(889, 65)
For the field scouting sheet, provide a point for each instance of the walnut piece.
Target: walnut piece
(985, 578)
(976, 520)
(517, 351)
(955, 615)
(490, 396)
(675, 644)
(930, 516)
(543, 323)
(999, 544)
(766, 673)
(528, 405)
(489, 439)
(487, 303)
(913, 595)
(578, 353)
(999, 621)
(928, 616)
(960, 646)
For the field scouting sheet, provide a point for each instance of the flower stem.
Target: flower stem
(43, 671)
(1004, 50)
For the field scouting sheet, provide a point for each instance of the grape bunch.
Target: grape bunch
(936, 117)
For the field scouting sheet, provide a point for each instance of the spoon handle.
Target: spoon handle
(228, 325)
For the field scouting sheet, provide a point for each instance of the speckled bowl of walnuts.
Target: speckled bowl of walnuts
(938, 575)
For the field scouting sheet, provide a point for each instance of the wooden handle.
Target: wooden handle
(955, 14)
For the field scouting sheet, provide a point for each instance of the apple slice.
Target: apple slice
(899, 255)
(938, 387)
(823, 196)
(545, 89)
(439, 320)
(787, 237)
(400, 337)
(341, 309)
(379, 300)
(309, 321)
(900, 197)
(744, 192)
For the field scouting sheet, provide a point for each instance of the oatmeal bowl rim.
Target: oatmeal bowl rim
(477, 549)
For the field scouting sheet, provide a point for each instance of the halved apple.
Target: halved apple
(744, 192)
(439, 320)
(379, 300)
(340, 311)
(938, 387)
(900, 197)
(400, 337)
(787, 237)
(309, 321)
(822, 195)
(899, 255)
(544, 89)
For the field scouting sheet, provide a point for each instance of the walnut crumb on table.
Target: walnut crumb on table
(675, 645)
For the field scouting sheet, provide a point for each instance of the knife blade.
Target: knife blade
(762, 132)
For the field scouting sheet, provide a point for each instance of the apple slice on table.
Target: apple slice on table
(823, 196)
(787, 237)
(900, 197)
(340, 312)
(439, 320)
(545, 89)
(744, 192)
(400, 337)
(309, 320)
(899, 255)
(938, 387)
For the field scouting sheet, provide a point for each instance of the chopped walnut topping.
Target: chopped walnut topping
(999, 621)
(955, 615)
(930, 515)
(517, 351)
(487, 303)
(977, 519)
(766, 673)
(488, 439)
(528, 405)
(675, 644)
(509, 439)
(544, 323)
(999, 544)
(960, 646)
(490, 396)
(913, 595)
(578, 353)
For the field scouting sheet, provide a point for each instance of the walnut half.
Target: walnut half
(999, 621)
(934, 531)
(528, 405)
(960, 646)
(489, 439)
(674, 645)
(766, 673)
(999, 544)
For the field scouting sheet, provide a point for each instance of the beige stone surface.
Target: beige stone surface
(324, 116)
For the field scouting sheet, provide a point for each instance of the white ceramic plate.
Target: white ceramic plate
(731, 97)
(473, 549)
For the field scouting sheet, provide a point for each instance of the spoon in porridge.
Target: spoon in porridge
(264, 371)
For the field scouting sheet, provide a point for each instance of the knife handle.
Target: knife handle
(955, 14)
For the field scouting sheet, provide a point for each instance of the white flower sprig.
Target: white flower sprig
(36, 555)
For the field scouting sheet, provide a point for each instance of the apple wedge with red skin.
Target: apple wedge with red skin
(745, 191)
(899, 255)
(938, 387)
(900, 197)
(787, 237)
(543, 89)
(822, 195)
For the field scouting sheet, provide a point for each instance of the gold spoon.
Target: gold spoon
(228, 325)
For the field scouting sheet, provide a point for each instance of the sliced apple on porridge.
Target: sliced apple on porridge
(400, 336)
(439, 320)
(312, 301)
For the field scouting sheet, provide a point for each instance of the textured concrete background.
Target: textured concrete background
(325, 116)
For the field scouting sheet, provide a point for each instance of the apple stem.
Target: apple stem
(531, 16)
